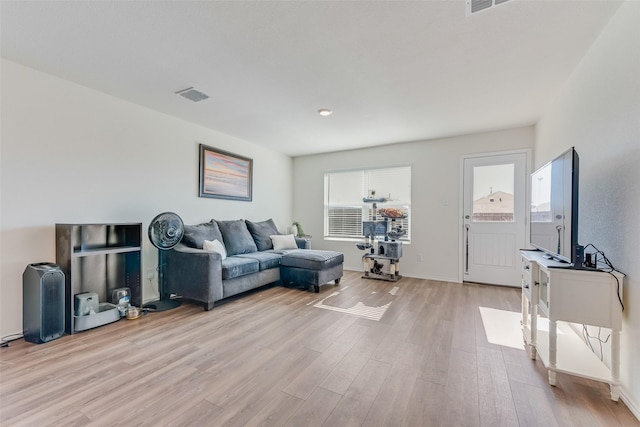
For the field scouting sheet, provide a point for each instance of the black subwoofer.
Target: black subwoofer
(43, 300)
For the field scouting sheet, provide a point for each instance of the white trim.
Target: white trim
(625, 396)
(359, 240)
(356, 169)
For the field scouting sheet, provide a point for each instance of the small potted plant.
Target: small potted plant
(296, 229)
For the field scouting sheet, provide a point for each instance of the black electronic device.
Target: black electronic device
(554, 209)
(43, 302)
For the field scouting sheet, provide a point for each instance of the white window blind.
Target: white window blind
(344, 191)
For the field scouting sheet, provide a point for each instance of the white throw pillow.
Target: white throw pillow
(283, 241)
(215, 246)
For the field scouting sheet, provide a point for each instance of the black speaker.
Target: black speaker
(42, 302)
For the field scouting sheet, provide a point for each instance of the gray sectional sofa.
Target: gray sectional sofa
(207, 276)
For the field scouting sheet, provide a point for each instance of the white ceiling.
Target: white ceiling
(392, 71)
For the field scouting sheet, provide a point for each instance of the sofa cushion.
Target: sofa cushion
(215, 246)
(261, 232)
(195, 235)
(311, 259)
(267, 260)
(234, 266)
(283, 242)
(237, 238)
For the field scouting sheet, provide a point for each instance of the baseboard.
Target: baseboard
(412, 275)
(633, 406)
(434, 278)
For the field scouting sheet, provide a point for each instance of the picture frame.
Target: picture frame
(224, 175)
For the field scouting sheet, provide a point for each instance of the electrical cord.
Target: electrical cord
(610, 270)
(585, 336)
(4, 341)
(588, 338)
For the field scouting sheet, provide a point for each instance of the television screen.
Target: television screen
(554, 207)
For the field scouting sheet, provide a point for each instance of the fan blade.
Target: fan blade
(166, 230)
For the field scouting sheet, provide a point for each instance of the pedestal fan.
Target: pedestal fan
(165, 232)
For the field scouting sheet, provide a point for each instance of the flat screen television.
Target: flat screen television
(554, 209)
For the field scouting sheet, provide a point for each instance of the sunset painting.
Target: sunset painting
(224, 175)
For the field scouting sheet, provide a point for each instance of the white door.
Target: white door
(494, 224)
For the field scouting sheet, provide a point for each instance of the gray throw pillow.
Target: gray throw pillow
(261, 232)
(237, 238)
(195, 235)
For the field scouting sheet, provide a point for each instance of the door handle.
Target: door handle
(466, 251)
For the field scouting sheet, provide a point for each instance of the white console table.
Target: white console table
(565, 295)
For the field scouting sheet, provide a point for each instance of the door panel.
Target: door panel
(490, 249)
(494, 189)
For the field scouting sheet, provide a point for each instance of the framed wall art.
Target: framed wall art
(225, 175)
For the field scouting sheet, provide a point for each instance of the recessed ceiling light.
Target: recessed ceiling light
(324, 112)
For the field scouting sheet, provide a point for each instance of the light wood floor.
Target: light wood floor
(271, 358)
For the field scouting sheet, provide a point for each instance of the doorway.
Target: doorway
(493, 217)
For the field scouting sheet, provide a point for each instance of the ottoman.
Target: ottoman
(311, 267)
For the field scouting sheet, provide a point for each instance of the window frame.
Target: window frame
(355, 234)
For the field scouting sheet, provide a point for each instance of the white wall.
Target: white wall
(73, 155)
(434, 199)
(598, 112)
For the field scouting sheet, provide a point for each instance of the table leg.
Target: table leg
(553, 348)
(534, 329)
(615, 365)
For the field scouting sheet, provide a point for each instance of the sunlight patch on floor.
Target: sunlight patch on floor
(502, 327)
(359, 309)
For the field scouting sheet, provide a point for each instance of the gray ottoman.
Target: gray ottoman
(311, 267)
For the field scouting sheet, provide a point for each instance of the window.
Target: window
(344, 209)
(493, 193)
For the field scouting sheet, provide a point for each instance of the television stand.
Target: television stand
(559, 296)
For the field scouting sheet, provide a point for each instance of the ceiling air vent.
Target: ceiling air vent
(474, 6)
(192, 94)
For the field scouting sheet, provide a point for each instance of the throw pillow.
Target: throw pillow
(195, 235)
(215, 246)
(283, 242)
(236, 237)
(262, 232)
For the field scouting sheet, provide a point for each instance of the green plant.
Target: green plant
(299, 227)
